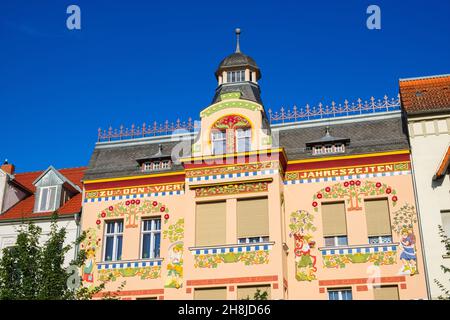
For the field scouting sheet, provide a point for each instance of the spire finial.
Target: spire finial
(327, 131)
(6, 161)
(238, 32)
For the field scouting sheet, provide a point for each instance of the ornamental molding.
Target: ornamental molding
(228, 188)
(228, 104)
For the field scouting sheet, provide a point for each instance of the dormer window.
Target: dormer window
(219, 142)
(47, 199)
(236, 76)
(327, 144)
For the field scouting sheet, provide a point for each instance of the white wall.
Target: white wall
(430, 138)
(8, 234)
(3, 179)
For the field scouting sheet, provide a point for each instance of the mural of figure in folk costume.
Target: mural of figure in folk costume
(305, 262)
(175, 266)
(88, 267)
(408, 255)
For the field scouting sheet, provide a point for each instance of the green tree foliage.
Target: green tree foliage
(34, 271)
(259, 295)
(446, 241)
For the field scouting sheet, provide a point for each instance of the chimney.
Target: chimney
(7, 167)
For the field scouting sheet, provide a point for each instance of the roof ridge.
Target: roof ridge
(426, 77)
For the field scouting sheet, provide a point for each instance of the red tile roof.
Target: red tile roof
(425, 94)
(24, 208)
(444, 165)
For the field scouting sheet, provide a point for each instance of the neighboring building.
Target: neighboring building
(426, 102)
(313, 203)
(35, 196)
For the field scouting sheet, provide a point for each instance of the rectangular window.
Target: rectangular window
(340, 294)
(386, 293)
(334, 223)
(113, 240)
(210, 221)
(445, 216)
(236, 76)
(47, 199)
(252, 220)
(151, 238)
(210, 294)
(248, 292)
(243, 140)
(219, 142)
(378, 221)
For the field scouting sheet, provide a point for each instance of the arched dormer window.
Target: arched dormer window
(231, 133)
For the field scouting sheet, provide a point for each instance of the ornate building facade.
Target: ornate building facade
(309, 203)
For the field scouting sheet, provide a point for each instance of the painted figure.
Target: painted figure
(408, 255)
(305, 262)
(88, 267)
(175, 266)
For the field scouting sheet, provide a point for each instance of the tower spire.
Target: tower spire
(238, 32)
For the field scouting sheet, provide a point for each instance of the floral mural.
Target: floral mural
(353, 191)
(148, 272)
(132, 210)
(403, 226)
(175, 234)
(247, 258)
(378, 258)
(90, 244)
(232, 189)
(301, 226)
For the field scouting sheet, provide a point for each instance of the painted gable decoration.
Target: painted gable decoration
(132, 210)
(353, 191)
(231, 122)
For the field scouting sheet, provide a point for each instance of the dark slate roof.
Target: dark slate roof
(249, 91)
(365, 137)
(121, 161)
(237, 59)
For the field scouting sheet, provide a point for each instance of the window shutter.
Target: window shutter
(445, 215)
(377, 217)
(37, 196)
(210, 294)
(386, 293)
(333, 219)
(210, 224)
(249, 292)
(252, 218)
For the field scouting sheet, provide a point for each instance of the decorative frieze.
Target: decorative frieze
(228, 189)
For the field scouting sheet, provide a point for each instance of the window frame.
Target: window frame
(115, 235)
(48, 197)
(336, 241)
(235, 76)
(152, 233)
(214, 139)
(340, 293)
(247, 134)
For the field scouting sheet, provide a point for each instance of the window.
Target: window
(236, 76)
(445, 216)
(248, 292)
(210, 294)
(219, 142)
(157, 165)
(326, 149)
(378, 221)
(252, 220)
(336, 241)
(47, 199)
(243, 140)
(334, 224)
(386, 293)
(151, 238)
(210, 222)
(113, 242)
(340, 294)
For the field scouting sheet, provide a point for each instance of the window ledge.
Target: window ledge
(120, 264)
(363, 248)
(240, 247)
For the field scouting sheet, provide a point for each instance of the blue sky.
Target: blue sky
(141, 61)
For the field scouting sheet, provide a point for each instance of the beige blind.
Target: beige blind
(377, 217)
(386, 293)
(333, 219)
(210, 224)
(210, 294)
(252, 218)
(249, 292)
